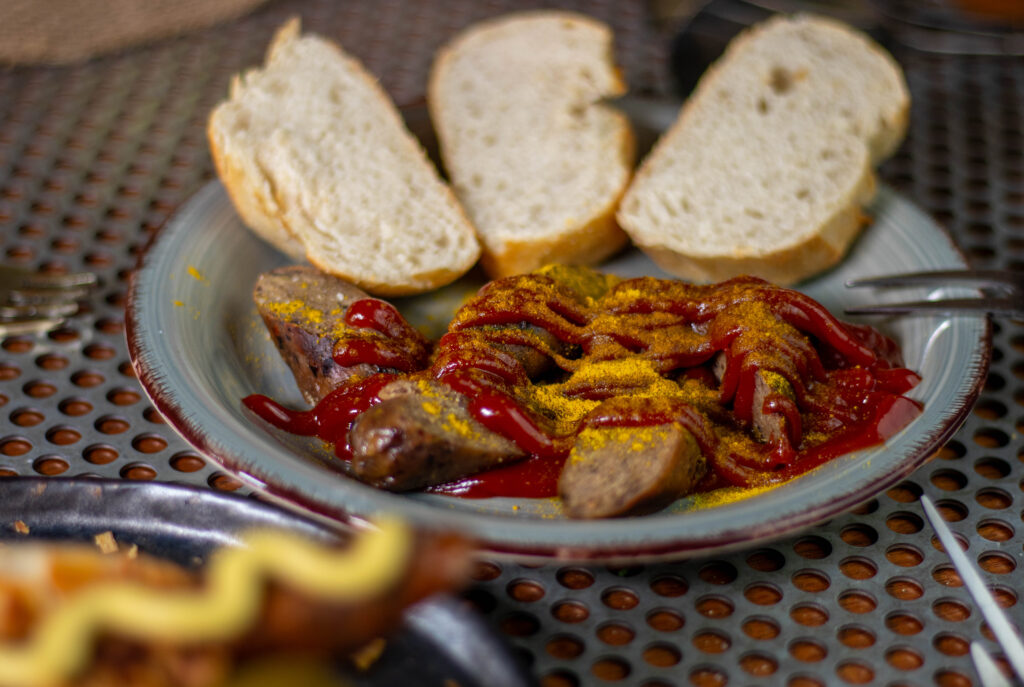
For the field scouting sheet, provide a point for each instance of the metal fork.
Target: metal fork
(1002, 293)
(32, 302)
(1000, 625)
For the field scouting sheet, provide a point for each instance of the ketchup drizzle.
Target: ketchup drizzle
(846, 381)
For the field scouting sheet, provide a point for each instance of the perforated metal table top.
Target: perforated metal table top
(95, 157)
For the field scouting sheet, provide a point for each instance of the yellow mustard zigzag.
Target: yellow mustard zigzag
(223, 608)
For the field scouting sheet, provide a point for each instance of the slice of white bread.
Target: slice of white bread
(771, 160)
(537, 162)
(318, 162)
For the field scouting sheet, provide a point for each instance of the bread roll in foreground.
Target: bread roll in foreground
(538, 163)
(319, 163)
(772, 159)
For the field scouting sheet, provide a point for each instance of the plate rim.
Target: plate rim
(519, 547)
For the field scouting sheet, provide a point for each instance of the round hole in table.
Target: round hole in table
(812, 547)
(564, 647)
(856, 636)
(661, 655)
(761, 628)
(811, 580)
(711, 641)
(525, 590)
(615, 633)
(951, 644)
(904, 588)
(708, 676)
(995, 530)
(858, 568)
(759, 664)
(714, 606)
(807, 650)
(809, 615)
(765, 560)
(482, 571)
(668, 586)
(620, 598)
(904, 623)
(186, 461)
(665, 620)
(611, 669)
(570, 611)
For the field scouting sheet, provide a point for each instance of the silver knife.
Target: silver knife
(650, 113)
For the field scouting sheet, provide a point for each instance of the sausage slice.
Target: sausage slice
(304, 311)
(422, 435)
(629, 470)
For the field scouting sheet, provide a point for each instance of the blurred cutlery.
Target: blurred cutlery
(1006, 635)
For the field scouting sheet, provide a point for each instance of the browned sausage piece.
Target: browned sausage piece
(534, 362)
(629, 470)
(770, 428)
(422, 435)
(303, 309)
(294, 620)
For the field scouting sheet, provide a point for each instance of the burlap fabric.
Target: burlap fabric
(63, 31)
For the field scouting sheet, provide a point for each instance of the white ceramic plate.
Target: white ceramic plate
(199, 347)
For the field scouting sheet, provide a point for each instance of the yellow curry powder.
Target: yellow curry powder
(296, 310)
(610, 339)
(638, 439)
(725, 495)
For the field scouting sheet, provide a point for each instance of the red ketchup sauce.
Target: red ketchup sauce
(840, 386)
(383, 338)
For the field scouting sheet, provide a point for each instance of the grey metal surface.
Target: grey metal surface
(94, 157)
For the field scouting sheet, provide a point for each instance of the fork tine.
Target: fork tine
(44, 296)
(997, 621)
(28, 326)
(10, 313)
(1004, 279)
(59, 281)
(31, 302)
(1007, 307)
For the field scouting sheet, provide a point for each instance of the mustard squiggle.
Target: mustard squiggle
(226, 605)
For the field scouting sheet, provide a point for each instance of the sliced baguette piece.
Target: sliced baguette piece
(537, 162)
(771, 160)
(318, 162)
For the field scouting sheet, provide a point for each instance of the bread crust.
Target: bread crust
(585, 244)
(258, 210)
(252, 193)
(786, 266)
(265, 209)
(419, 283)
(803, 257)
(414, 283)
(593, 238)
(467, 34)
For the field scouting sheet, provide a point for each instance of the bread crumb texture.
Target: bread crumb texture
(105, 542)
(312, 142)
(772, 157)
(538, 163)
